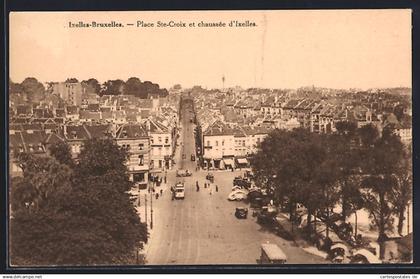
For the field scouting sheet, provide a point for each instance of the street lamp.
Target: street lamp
(138, 204)
(151, 210)
(145, 208)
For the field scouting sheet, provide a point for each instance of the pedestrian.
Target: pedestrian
(198, 188)
(205, 185)
(161, 192)
(157, 195)
(217, 188)
(165, 178)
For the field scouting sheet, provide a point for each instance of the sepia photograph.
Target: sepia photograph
(190, 138)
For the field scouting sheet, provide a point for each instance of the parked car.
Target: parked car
(364, 256)
(267, 216)
(183, 173)
(242, 182)
(238, 195)
(241, 212)
(234, 188)
(338, 252)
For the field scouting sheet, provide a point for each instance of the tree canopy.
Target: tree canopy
(75, 214)
(34, 90)
(92, 86)
(354, 167)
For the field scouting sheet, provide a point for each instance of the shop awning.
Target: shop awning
(242, 161)
(228, 162)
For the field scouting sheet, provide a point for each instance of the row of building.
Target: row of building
(233, 123)
(146, 128)
(150, 144)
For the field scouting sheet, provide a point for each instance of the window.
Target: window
(141, 160)
(208, 143)
(159, 139)
(151, 140)
(217, 143)
(223, 143)
(128, 147)
(141, 146)
(166, 140)
(160, 150)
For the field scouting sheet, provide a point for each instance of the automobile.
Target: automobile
(282, 227)
(183, 173)
(179, 191)
(210, 177)
(338, 252)
(241, 212)
(238, 195)
(234, 188)
(363, 256)
(256, 202)
(192, 157)
(319, 236)
(248, 174)
(267, 216)
(272, 254)
(242, 182)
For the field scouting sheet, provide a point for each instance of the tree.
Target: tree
(151, 88)
(399, 111)
(380, 183)
(134, 86)
(64, 216)
(403, 192)
(72, 80)
(33, 89)
(15, 88)
(61, 152)
(112, 87)
(287, 164)
(92, 86)
(177, 87)
(42, 178)
(163, 92)
(94, 160)
(343, 151)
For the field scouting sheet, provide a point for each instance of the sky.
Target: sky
(287, 49)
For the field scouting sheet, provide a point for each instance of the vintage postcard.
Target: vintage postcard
(210, 138)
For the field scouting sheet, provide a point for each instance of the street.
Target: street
(202, 228)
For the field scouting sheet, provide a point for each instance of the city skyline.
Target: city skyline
(362, 49)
